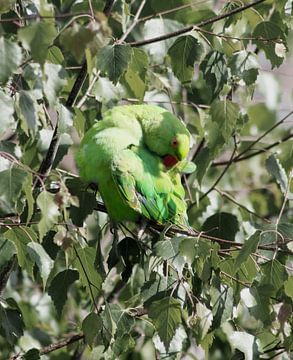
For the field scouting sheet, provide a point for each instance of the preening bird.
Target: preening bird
(135, 156)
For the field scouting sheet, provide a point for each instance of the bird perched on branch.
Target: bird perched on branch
(135, 155)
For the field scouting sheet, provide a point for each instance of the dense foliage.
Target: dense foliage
(71, 286)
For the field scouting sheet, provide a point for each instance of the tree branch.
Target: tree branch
(55, 346)
(53, 147)
(222, 174)
(241, 156)
(192, 27)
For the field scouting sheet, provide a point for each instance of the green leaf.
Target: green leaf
(222, 225)
(86, 199)
(10, 58)
(91, 326)
(248, 247)
(157, 27)
(245, 343)
(20, 237)
(55, 80)
(32, 354)
(6, 5)
(28, 190)
(36, 38)
(271, 32)
(215, 73)
(185, 51)
(135, 77)
(288, 287)
(12, 181)
(45, 264)
(59, 286)
(76, 39)
(6, 113)
(188, 249)
(274, 274)
(116, 320)
(277, 171)
(28, 111)
(166, 316)
(49, 210)
(204, 319)
(89, 277)
(221, 304)
(7, 250)
(225, 114)
(113, 60)
(169, 250)
(244, 65)
(260, 116)
(65, 118)
(124, 345)
(11, 324)
(156, 285)
(55, 55)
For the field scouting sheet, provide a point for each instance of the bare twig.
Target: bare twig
(135, 21)
(52, 150)
(229, 37)
(44, 17)
(55, 346)
(285, 198)
(222, 174)
(264, 135)
(192, 27)
(170, 11)
(257, 152)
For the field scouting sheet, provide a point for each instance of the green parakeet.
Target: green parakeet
(135, 155)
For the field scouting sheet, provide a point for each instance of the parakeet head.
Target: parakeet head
(168, 137)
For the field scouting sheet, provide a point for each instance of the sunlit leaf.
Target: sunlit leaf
(6, 112)
(185, 51)
(166, 316)
(85, 264)
(277, 171)
(91, 326)
(113, 60)
(270, 33)
(10, 58)
(37, 37)
(49, 210)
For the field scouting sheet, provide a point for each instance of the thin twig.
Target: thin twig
(285, 198)
(229, 37)
(230, 198)
(55, 346)
(263, 135)
(52, 150)
(191, 27)
(222, 174)
(134, 23)
(44, 17)
(257, 152)
(88, 92)
(235, 279)
(170, 11)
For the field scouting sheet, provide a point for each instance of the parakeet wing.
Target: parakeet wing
(145, 188)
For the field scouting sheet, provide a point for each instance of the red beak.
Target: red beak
(170, 160)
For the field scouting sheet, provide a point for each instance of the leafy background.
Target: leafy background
(70, 287)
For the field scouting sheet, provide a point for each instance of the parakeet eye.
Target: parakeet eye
(174, 143)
